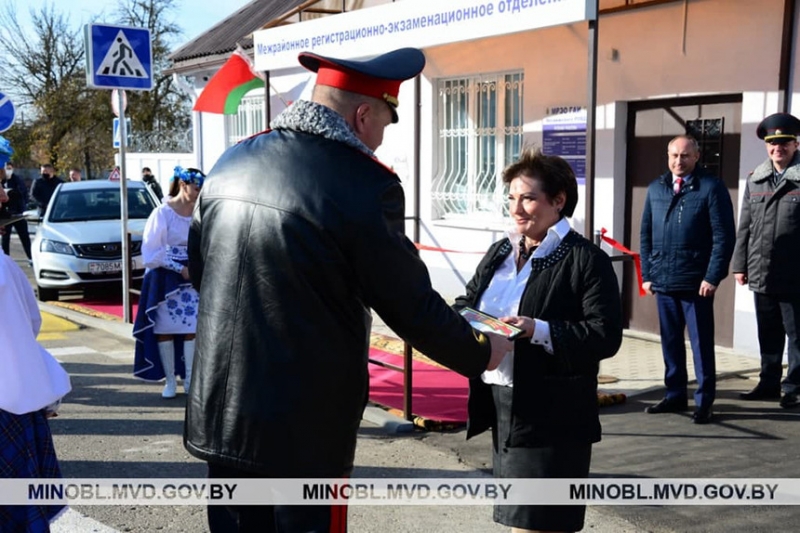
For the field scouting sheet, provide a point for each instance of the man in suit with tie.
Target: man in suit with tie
(767, 257)
(687, 239)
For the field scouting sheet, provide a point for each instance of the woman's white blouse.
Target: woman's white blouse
(164, 240)
(503, 295)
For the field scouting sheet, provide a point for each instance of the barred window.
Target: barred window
(709, 133)
(480, 133)
(248, 120)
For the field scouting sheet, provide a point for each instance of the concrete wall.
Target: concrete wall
(161, 165)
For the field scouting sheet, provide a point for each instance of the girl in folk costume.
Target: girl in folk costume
(32, 384)
(166, 320)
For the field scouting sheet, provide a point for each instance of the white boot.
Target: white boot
(166, 349)
(188, 359)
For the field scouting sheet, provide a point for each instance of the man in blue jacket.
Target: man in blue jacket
(687, 239)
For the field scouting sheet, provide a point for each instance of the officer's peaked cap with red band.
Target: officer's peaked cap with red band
(379, 77)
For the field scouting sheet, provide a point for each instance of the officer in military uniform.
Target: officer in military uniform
(312, 224)
(767, 256)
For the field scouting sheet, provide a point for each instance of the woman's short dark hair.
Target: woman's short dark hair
(554, 174)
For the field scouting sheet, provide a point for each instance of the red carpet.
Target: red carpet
(111, 305)
(437, 393)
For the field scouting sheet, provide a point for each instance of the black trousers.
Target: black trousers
(271, 518)
(778, 317)
(21, 227)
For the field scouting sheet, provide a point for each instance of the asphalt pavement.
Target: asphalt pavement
(112, 425)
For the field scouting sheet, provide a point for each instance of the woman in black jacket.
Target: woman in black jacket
(541, 403)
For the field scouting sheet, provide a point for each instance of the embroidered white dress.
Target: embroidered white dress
(164, 246)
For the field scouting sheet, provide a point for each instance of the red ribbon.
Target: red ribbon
(637, 260)
(445, 250)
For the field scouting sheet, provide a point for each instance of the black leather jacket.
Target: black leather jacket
(295, 237)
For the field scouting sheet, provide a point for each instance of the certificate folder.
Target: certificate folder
(489, 324)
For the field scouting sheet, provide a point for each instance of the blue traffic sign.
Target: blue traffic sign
(119, 57)
(7, 112)
(117, 134)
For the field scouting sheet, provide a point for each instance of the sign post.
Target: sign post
(123, 206)
(120, 57)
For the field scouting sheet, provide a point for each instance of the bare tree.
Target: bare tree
(165, 108)
(44, 72)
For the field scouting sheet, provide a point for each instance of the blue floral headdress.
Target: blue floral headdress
(5, 151)
(189, 175)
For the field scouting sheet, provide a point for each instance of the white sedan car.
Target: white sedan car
(79, 240)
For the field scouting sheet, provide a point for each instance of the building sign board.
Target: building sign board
(418, 23)
(564, 135)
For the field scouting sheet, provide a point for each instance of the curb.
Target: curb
(114, 327)
(389, 422)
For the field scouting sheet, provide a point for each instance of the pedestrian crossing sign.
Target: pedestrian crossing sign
(118, 57)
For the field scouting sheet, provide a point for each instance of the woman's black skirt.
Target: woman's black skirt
(561, 461)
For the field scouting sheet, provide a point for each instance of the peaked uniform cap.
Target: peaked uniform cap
(779, 126)
(379, 77)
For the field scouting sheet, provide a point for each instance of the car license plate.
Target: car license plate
(103, 268)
